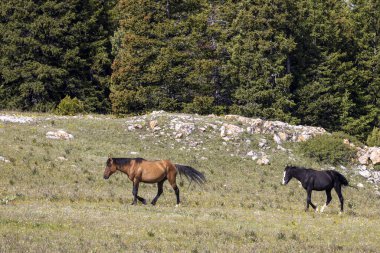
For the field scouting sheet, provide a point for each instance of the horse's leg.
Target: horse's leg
(135, 191)
(338, 190)
(308, 200)
(172, 180)
(328, 200)
(159, 191)
(141, 199)
(176, 190)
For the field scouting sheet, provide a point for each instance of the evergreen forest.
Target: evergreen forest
(312, 62)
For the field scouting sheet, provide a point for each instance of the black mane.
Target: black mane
(123, 161)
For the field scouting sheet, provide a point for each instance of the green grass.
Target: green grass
(53, 205)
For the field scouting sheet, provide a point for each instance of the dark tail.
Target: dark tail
(190, 173)
(341, 178)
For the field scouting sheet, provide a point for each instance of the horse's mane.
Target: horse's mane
(297, 167)
(123, 161)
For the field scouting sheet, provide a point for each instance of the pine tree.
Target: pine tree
(153, 55)
(324, 71)
(51, 49)
(366, 113)
(259, 63)
(210, 76)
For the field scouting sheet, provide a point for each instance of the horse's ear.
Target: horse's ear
(109, 155)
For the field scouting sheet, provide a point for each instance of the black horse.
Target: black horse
(317, 180)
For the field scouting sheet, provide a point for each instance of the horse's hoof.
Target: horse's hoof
(144, 202)
(153, 203)
(340, 213)
(178, 205)
(133, 203)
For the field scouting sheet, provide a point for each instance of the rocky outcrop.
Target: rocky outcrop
(368, 155)
(280, 130)
(15, 119)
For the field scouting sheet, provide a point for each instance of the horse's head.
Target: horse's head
(110, 168)
(287, 174)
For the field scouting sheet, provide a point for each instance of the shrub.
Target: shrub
(127, 101)
(200, 105)
(374, 137)
(328, 149)
(70, 106)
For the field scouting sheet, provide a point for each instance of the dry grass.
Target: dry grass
(53, 205)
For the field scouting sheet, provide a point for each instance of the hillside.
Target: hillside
(54, 198)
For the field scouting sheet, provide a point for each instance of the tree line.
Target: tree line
(304, 62)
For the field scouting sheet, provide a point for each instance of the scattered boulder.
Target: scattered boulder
(360, 185)
(374, 155)
(365, 173)
(184, 128)
(178, 135)
(283, 136)
(230, 130)
(368, 155)
(277, 139)
(263, 161)
(263, 143)
(134, 127)
(3, 159)
(254, 155)
(153, 124)
(59, 135)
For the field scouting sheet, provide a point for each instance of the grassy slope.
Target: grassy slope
(66, 206)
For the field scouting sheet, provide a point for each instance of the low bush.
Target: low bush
(374, 137)
(328, 149)
(70, 106)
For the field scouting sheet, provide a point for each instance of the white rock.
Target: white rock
(262, 143)
(277, 139)
(185, 128)
(363, 158)
(365, 173)
(3, 159)
(374, 155)
(59, 135)
(263, 161)
(157, 112)
(251, 153)
(230, 130)
(223, 131)
(15, 119)
(153, 124)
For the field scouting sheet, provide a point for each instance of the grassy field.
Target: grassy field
(53, 197)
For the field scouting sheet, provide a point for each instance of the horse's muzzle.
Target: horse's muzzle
(106, 177)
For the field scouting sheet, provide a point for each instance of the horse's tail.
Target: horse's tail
(190, 173)
(341, 178)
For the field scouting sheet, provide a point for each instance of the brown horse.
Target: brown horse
(141, 170)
